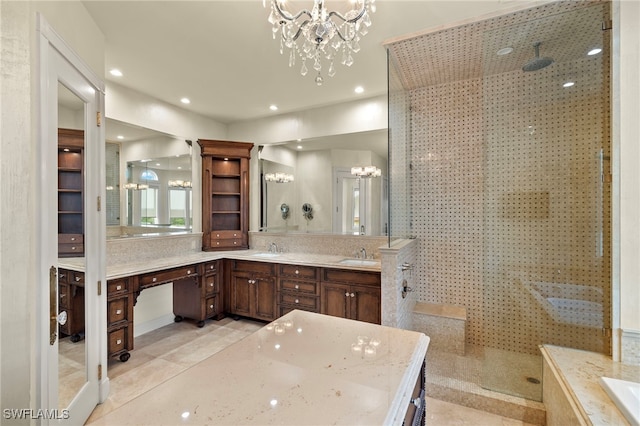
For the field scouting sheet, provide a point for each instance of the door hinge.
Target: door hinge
(99, 371)
(607, 25)
(606, 332)
(99, 202)
(99, 287)
(98, 118)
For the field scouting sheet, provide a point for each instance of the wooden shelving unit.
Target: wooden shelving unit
(70, 193)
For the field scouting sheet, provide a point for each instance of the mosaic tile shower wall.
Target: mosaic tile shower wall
(509, 170)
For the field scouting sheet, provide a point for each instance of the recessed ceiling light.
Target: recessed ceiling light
(359, 89)
(116, 72)
(185, 100)
(273, 107)
(594, 51)
(120, 137)
(299, 147)
(568, 84)
(504, 51)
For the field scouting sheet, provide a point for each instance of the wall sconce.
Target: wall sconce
(179, 184)
(366, 171)
(278, 177)
(135, 186)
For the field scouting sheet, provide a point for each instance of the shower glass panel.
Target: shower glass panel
(399, 154)
(546, 195)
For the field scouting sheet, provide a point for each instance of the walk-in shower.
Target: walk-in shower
(508, 193)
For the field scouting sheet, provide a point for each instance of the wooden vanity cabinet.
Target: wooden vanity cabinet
(70, 193)
(298, 288)
(71, 300)
(225, 194)
(340, 296)
(120, 301)
(251, 289)
(199, 299)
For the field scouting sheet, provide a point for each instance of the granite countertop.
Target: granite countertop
(581, 371)
(141, 267)
(300, 369)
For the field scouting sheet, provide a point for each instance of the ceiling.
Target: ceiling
(221, 55)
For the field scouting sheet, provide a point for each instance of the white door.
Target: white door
(70, 377)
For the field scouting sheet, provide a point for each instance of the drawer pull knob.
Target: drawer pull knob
(73, 238)
(78, 279)
(347, 294)
(188, 271)
(235, 242)
(211, 267)
(118, 341)
(154, 279)
(210, 284)
(297, 301)
(297, 272)
(353, 295)
(297, 286)
(217, 242)
(118, 311)
(118, 287)
(235, 235)
(73, 248)
(210, 306)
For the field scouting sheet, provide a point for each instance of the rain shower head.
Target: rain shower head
(537, 63)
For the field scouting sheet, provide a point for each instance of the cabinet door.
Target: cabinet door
(365, 304)
(334, 300)
(241, 293)
(265, 302)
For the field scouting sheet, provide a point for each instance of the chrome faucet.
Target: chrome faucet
(273, 248)
(363, 252)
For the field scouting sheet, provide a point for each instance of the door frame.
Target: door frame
(58, 62)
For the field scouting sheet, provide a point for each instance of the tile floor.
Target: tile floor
(167, 351)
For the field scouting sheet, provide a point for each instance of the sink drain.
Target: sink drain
(533, 380)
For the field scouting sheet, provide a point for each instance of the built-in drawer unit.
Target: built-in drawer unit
(118, 310)
(199, 299)
(120, 301)
(71, 301)
(119, 341)
(298, 288)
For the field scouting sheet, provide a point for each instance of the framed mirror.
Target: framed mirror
(321, 176)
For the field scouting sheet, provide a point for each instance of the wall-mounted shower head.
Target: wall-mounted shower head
(537, 63)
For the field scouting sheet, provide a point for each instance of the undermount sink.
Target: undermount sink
(626, 396)
(265, 254)
(358, 262)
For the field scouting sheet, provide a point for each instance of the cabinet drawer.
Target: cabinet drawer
(118, 340)
(302, 272)
(211, 267)
(115, 287)
(71, 248)
(226, 235)
(351, 277)
(295, 286)
(160, 277)
(211, 306)
(64, 296)
(226, 242)
(257, 267)
(70, 239)
(297, 300)
(211, 284)
(117, 310)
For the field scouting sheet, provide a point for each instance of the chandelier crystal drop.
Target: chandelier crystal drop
(320, 35)
(366, 171)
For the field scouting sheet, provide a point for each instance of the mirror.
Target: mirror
(152, 195)
(72, 366)
(337, 201)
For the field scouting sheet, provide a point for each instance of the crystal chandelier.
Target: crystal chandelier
(366, 171)
(319, 33)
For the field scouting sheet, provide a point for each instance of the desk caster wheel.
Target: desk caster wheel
(200, 324)
(125, 357)
(178, 318)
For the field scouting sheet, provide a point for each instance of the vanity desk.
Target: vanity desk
(243, 283)
(303, 368)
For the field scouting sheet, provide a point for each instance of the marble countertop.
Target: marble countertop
(141, 267)
(581, 371)
(303, 368)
